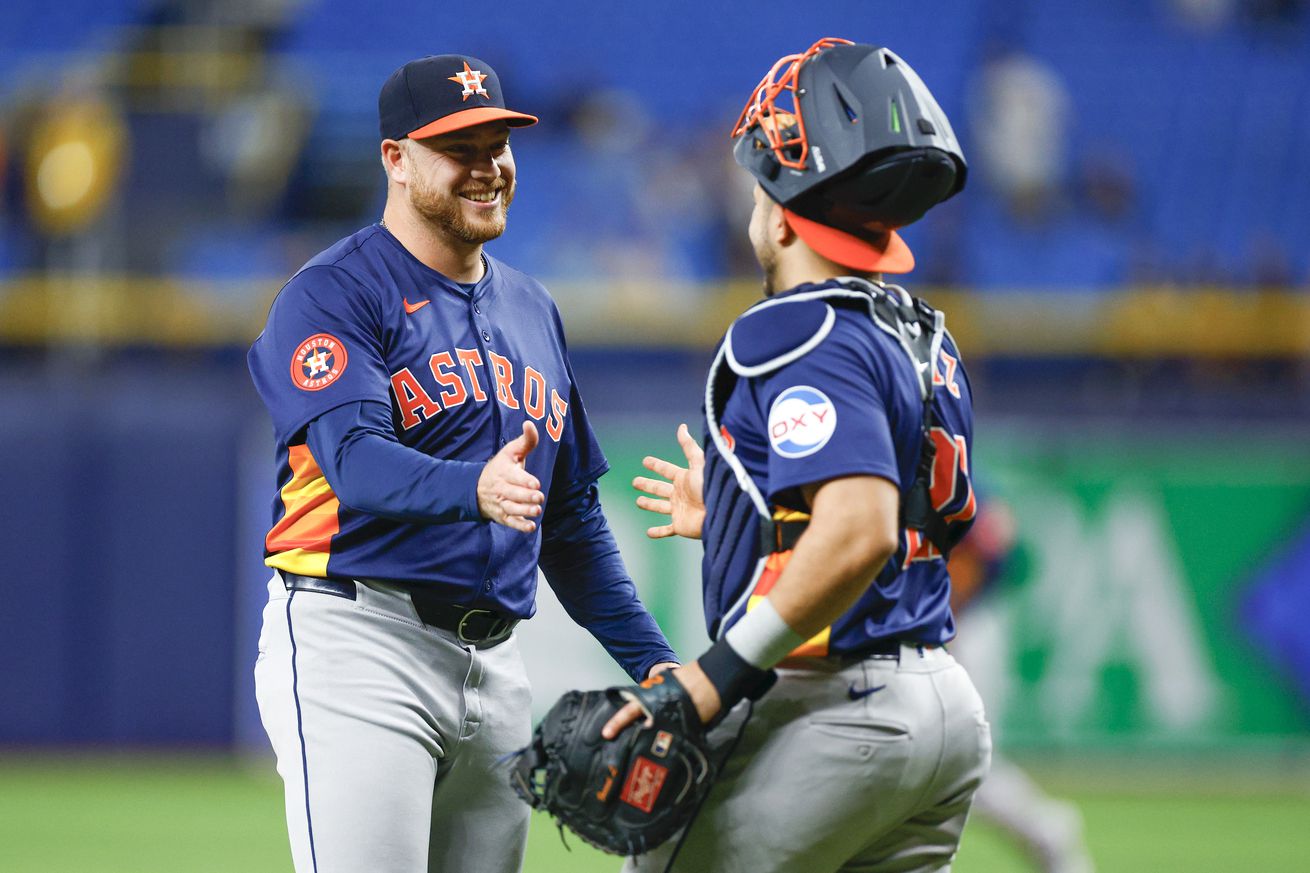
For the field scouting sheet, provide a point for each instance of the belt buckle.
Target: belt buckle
(497, 628)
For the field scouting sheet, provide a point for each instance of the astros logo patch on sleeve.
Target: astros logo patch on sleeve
(318, 362)
(801, 421)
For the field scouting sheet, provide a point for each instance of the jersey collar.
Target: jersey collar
(480, 290)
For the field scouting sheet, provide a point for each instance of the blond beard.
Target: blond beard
(443, 211)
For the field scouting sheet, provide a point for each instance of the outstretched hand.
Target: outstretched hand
(679, 497)
(507, 493)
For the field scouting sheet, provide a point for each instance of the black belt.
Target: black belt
(478, 627)
(884, 648)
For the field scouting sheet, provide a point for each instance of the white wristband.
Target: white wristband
(762, 638)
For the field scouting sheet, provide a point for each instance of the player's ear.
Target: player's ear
(394, 161)
(779, 230)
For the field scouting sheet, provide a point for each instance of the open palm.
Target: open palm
(678, 494)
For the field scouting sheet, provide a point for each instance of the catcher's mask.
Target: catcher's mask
(852, 144)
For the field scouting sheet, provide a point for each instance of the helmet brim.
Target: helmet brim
(883, 252)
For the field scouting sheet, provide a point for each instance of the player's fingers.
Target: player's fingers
(518, 523)
(690, 447)
(650, 504)
(658, 465)
(653, 487)
(515, 508)
(512, 475)
(529, 437)
(518, 448)
(660, 532)
(621, 719)
(521, 494)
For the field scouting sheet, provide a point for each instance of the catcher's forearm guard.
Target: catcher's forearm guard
(627, 795)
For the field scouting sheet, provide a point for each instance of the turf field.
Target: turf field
(195, 815)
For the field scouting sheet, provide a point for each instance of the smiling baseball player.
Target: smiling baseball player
(432, 451)
(833, 482)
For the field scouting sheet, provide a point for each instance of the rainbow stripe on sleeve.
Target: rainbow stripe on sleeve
(301, 541)
(817, 645)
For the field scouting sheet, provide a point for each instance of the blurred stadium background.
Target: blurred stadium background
(1128, 273)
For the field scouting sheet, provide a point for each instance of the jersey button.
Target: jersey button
(476, 311)
(486, 336)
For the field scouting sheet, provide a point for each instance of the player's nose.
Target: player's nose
(486, 168)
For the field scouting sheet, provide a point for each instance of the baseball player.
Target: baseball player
(1047, 829)
(432, 452)
(833, 481)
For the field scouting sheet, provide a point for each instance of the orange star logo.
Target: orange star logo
(471, 80)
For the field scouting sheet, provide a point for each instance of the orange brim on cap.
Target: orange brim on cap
(471, 117)
(889, 254)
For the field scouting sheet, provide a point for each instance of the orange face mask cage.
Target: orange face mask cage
(762, 108)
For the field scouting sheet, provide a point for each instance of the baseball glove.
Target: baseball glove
(627, 795)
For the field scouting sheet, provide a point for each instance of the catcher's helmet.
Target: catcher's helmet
(862, 149)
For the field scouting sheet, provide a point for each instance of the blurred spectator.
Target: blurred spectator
(1020, 115)
(631, 201)
(1047, 829)
(254, 143)
(595, 231)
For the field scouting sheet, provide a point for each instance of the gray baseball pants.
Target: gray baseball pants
(831, 775)
(387, 734)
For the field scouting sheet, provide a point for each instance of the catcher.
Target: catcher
(832, 483)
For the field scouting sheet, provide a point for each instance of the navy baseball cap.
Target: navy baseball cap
(440, 93)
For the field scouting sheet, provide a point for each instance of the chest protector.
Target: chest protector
(741, 530)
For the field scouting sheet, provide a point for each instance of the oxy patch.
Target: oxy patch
(801, 421)
(318, 362)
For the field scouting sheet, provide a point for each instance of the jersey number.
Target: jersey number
(950, 486)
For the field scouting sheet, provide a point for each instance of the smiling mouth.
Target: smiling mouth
(485, 197)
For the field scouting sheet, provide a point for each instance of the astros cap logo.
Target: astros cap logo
(318, 362)
(471, 80)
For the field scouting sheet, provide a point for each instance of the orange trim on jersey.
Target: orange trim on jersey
(817, 645)
(301, 541)
(969, 511)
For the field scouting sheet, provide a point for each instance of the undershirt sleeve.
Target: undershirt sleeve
(581, 561)
(370, 471)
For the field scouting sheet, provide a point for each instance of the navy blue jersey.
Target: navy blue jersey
(460, 369)
(851, 405)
